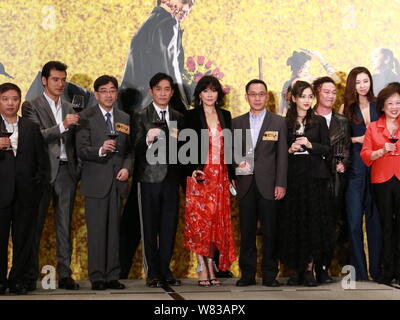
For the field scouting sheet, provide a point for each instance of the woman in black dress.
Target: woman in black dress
(306, 224)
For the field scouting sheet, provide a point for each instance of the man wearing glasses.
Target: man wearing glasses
(261, 182)
(103, 145)
(57, 122)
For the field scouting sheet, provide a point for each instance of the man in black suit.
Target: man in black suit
(261, 182)
(106, 167)
(339, 135)
(157, 47)
(22, 174)
(155, 132)
(57, 121)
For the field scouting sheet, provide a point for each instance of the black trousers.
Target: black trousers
(159, 218)
(22, 221)
(251, 208)
(129, 233)
(387, 195)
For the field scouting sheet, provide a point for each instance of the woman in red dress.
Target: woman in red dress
(208, 219)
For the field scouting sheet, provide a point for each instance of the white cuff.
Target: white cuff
(101, 155)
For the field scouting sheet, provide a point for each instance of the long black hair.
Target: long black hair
(291, 115)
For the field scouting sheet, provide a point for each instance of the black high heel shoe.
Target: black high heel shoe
(309, 280)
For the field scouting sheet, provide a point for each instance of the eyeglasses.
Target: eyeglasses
(111, 91)
(260, 94)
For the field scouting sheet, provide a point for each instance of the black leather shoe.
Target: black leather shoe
(323, 277)
(154, 283)
(309, 280)
(173, 282)
(385, 281)
(99, 285)
(270, 283)
(30, 285)
(296, 279)
(224, 274)
(18, 288)
(3, 287)
(115, 284)
(244, 282)
(68, 283)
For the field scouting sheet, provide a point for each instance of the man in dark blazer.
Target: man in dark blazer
(261, 138)
(156, 131)
(157, 47)
(107, 163)
(57, 122)
(22, 174)
(339, 135)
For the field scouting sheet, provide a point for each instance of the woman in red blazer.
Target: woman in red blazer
(381, 151)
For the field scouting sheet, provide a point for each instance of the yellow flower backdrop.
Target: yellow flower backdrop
(93, 38)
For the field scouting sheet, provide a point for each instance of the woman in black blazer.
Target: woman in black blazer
(306, 225)
(208, 219)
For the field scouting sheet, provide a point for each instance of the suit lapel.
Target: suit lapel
(46, 111)
(100, 119)
(264, 127)
(21, 132)
(221, 118)
(333, 129)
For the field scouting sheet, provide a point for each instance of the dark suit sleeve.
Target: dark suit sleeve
(324, 146)
(139, 135)
(41, 157)
(84, 148)
(347, 144)
(128, 159)
(49, 134)
(282, 157)
(231, 169)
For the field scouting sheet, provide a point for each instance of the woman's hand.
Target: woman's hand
(303, 141)
(294, 147)
(357, 139)
(198, 174)
(388, 147)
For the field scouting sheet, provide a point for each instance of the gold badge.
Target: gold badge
(121, 127)
(271, 136)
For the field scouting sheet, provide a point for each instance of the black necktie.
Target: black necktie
(163, 115)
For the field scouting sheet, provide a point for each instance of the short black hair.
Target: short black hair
(254, 81)
(51, 65)
(209, 82)
(103, 80)
(317, 84)
(7, 86)
(155, 80)
(385, 94)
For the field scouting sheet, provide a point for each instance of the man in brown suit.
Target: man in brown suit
(261, 182)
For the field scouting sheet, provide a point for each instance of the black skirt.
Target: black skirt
(306, 224)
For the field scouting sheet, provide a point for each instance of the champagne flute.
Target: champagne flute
(339, 156)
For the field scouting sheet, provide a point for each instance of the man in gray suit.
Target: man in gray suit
(261, 181)
(57, 122)
(103, 144)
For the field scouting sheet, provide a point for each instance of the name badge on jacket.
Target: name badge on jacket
(271, 136)
(121, 127)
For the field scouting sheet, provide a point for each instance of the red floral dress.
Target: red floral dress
(208, 214)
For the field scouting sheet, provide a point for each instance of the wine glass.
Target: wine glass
(158, 123)
(78, 103)
(4, 133)
(299, 133)
(393, 139)
(339, 155)
(113, 134)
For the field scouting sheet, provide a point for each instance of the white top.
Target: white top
(57, 112)
(328, 118)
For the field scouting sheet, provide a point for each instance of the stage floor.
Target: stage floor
(136, 290)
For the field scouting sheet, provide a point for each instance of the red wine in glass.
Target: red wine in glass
(199, 177)
(6, 134)
(300, 134)
(394, 139)
(113, 135)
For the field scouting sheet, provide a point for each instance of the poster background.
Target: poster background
(93, 39)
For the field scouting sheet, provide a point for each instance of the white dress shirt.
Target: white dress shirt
(57, 112)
